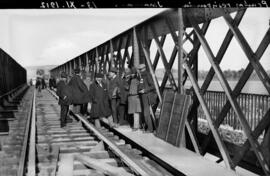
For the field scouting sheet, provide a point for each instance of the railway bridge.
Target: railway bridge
(32, 139)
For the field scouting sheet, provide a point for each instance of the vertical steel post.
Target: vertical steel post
(180, 50)
(135, 48)
(180, 70)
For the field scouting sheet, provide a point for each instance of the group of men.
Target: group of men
(40, 83)
(108, 97)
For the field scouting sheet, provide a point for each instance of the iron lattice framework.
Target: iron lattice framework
(133, 47)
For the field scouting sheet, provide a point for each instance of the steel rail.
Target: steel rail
(32, 142)
(134, 166)
(22, 161)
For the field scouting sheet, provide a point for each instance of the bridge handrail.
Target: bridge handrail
(254, 106)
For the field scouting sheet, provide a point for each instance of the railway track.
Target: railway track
(13, 143)
(79, 149)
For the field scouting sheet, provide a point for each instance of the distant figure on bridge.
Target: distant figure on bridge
(43, 83)
(114, 94)
(64, 93)
(52, 83)
(148, 96)
(100, 101)
(38, 84)
(31, 82)
(80, 93)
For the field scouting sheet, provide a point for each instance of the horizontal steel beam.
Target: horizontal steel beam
(158, 22)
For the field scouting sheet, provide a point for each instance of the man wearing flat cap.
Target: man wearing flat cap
(80, 91)
(64, 93)
(148, 96)
(100, 101)
(114, 93)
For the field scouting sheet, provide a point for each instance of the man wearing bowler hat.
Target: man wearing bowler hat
(147, 94)
(114, 93)
(80, 92)
(65, 95)
(100, 101)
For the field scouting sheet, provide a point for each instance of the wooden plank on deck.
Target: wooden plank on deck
(66, 165)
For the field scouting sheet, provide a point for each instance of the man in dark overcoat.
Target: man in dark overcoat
(52, 83)
(114, 93)
(64, 93)
(38, 84)
(80, 92)
(147, 95)
(123, 102)
(43, 83)
(100, 100)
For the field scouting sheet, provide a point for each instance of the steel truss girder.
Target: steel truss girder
(218, 59)
(243, 79)
(167, 23)
(237, 109)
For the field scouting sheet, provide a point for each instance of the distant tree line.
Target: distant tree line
(231, 74)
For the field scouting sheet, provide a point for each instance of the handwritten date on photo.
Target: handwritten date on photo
(66, 4)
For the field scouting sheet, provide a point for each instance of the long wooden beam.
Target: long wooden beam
(100, 166)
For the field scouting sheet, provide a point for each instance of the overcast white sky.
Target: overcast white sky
(51, 37)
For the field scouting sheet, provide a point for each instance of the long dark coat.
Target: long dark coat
(100, 100)
(52, 82)
(79, 90)
(134, 103)
(124, 88)
(114, 83)
(63, 90)
(149, 87)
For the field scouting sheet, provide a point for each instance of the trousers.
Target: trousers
(122, 110)
(63, 114)
(146, 113)
(114, 108)
(76, 108)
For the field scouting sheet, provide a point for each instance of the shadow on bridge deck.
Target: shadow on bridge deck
(181, 159)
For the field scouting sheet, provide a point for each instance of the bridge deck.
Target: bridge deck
(181, 159)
